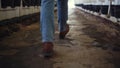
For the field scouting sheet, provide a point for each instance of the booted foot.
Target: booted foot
(47, 49)
(63, 34)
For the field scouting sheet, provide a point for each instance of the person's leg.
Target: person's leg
(47, 20)
(63, 17)
(47, 26)
(62, 13)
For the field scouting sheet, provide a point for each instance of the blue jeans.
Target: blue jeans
(47, 18)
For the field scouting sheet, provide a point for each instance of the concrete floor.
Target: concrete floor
(89, 44)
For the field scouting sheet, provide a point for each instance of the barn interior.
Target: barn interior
(92, 42)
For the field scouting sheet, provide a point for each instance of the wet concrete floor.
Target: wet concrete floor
(90, 43)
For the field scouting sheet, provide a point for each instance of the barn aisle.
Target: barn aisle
(85, 45)
(90, 43)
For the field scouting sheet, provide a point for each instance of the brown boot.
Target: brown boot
(47, 49)
(63, 34)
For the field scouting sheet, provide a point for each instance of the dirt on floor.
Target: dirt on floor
(92, 42)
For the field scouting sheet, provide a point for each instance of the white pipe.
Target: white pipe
(109, 8)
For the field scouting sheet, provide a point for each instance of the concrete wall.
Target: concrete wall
(78, 1)
(7, 13)
(97, 2)
(116, 2)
